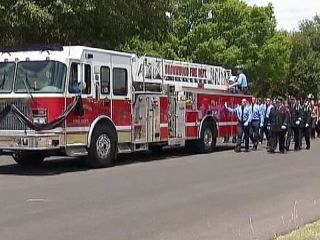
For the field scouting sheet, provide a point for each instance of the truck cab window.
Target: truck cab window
(74, 79)
(87, 79)
(105, 80)
(120, 82)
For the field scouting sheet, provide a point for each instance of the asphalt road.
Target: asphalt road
(174, 195)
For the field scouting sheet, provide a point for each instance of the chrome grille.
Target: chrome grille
(11, 122)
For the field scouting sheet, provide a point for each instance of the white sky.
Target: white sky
(290, 12)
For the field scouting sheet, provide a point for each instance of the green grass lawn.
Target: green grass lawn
(309, 232)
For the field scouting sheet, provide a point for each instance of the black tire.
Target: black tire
(28, 158)
(208, 139)
(102, 151)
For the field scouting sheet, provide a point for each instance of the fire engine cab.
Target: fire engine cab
(95, 103)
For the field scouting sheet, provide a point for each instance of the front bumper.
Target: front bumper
(31, 140)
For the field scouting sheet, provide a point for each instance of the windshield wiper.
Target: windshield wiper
(25, 80)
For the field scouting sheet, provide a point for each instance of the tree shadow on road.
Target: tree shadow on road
(53, 166)
(62, 165)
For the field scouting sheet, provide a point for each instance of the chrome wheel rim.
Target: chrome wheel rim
(208, 137)
(103, 146)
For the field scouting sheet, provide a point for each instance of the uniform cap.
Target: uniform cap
(239, 67)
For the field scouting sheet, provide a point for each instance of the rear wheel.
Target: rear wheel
(102, 149)
(207, 141)
(28, 158)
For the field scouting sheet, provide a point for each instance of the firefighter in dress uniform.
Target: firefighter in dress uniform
(291, 123)
(241, 84)
(305, 124)
(278, 123)
(314, 115)
(294, 123)
(265, 108)
(244, 115)
(257, 121)
(318, 119)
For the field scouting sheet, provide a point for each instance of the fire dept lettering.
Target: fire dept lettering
(184, 71)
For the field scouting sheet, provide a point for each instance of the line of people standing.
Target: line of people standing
(278, 121)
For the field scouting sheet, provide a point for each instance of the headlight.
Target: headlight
(40, 115)
(40, 120)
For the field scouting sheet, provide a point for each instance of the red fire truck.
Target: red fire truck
(95, 103)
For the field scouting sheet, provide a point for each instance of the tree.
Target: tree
(225, 33)
(305, 59)
(99, 23)
(273, 66)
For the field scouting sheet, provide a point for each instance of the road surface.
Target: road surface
(173, 195)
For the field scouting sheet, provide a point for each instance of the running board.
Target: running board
(76, 151)
(124, 148)
(177, 142)
(129, 147)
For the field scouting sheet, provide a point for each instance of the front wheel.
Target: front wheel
(207, 141)
(102, 149)
(28, 158)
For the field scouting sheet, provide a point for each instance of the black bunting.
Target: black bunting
(39, 127)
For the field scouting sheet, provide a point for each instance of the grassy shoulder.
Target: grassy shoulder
(309, 232)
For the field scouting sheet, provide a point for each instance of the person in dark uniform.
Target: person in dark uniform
(305, 124)
(314, 115)
(318, 119)
(294, 123)
(291, 123)
(278, 122)
(244, 115)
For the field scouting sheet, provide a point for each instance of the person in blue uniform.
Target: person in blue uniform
(265, 108)
(244, 115)
(75, 87)
(257, 121)
(241, 84)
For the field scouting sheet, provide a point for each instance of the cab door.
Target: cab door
(81, 73)
(103, 88)
(121, 96)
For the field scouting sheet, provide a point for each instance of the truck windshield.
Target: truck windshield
(6, 76)
(40, 77)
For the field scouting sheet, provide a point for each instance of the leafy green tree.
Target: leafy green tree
(227, 33)
(100, 23)
(272, 67)
(218, 32)
(305, 59)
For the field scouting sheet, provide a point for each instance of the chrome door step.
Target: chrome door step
(76, 151)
